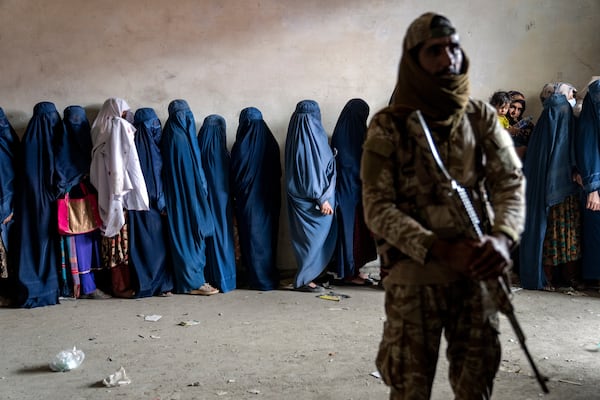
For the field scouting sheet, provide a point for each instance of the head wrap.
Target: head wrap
(427, 26)
(442, 99)
(557, 88)
(112, 108)
(517, 97)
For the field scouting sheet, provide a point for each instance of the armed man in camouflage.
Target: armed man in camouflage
(433, 284)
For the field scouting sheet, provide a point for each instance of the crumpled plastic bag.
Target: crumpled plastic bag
(67, 360)
(119, 378)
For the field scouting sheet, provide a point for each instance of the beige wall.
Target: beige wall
(224, 55)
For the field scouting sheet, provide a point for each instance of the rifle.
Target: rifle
(496, 294)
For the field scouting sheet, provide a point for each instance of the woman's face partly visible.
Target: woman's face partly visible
(515, 110)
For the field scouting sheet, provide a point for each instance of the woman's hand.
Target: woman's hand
(7, 219)
(577, 179)
(326, 208)
(593, 201)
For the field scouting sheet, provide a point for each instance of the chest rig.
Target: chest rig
(423, 192)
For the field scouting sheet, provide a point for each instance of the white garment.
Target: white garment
(115, 171)
(572, 102)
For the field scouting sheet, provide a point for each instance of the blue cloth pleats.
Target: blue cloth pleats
(186, 196)
(220, 249)
(149, 257)
(256, 188)
(310, 178)
(355, 246)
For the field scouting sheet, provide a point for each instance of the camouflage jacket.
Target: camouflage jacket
(406, 202)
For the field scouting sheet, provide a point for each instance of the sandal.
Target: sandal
(310, 289)
(549, 288)
(96, 295)
(204, 290)
(166, 294)
(358, 281)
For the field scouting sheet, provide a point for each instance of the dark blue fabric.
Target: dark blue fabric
(9, 148)
(147, 140)
(220, 249)
(310, 181)
(256, 189)
(587, 140)
(548, 168)
(587, 152)
(35, 254)
(348, 137)
(75, 155)
(590, 243)
(188, 212)
(149, 257)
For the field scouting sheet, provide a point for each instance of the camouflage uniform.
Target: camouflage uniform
(407, 206)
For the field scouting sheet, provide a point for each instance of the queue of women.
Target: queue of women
(561, 161)
(173, 202)
(169, 198)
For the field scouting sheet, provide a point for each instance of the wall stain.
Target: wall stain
(530, 25)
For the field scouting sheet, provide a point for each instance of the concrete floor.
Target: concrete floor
(271, 345)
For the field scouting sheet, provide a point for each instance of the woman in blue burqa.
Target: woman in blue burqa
(220, 249)
(355, 244)
(256, 189)
(188, 213)
(551, 240)
(149, 257)
(80, 253)
(9, 147)
(35, 247)
(587, 152)
(310, 182)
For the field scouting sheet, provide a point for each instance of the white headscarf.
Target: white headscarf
(115, 169)
(112, 108)
(558, 88)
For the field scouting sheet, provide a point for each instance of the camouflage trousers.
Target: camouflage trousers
(417, 315)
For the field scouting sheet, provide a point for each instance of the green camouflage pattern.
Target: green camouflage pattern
(416, 317)
(405, 202)
(407, 207)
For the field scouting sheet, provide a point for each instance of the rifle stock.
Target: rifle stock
(499, 292)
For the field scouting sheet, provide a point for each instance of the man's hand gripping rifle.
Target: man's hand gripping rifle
(496, 293)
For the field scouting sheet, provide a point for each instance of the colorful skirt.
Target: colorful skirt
(115, 257)
(562, 243)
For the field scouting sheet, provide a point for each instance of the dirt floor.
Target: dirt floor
(271, 345)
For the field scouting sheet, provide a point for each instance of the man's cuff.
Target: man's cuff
(510, 234)
(427, 245)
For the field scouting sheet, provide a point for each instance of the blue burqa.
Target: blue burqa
(188, 212)
(9, 147)
(355, 246)
(587, 153)
(548, 169)
(256, 189)
(75, 152)
(149, 258)
(35, 254)
(310, 181)
(74, 155)
(220, 249)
